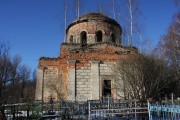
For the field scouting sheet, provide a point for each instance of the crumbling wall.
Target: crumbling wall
(83, 81)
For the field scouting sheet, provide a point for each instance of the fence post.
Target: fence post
(172, 98)
(149, 112)
(13, 109)
(135, 110)
(172, 101)
(108, 103)
(28, 106)
(89, 107)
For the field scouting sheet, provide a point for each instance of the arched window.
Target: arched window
(98, 36)
(113, 38)
(83, 36)
(71, 39)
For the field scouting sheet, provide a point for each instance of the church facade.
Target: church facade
(84, 69)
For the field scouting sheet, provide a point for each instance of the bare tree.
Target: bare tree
(5, 66)
(34, 77)
(169, 47)
(29, 92)
(77, 8)
(57, 86)
(131, 19)
(29, 86)
(14, 77)
(113, 7)
(100, 8)
(139, 31)
(24, 73)
(142, 77)
(176, 2)
(130, 6)
(15, 64)
(65, 20)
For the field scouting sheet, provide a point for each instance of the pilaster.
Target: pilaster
(95, 79)
(72, 80)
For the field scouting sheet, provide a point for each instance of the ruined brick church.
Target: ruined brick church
(84, 68)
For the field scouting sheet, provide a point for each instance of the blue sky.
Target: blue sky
(35, 28)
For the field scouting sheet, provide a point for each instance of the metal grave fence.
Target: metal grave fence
(115, 109)
(164, 111)
(106, 108)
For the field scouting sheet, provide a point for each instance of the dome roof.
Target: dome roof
(93, 16)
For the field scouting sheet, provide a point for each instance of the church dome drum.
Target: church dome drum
(93, 28)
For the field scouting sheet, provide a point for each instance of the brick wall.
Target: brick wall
(91, 27)
(83, 80)
(82, 77)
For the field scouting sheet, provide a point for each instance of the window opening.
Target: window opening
(107, 88)
(99, 36)
(113, 38)
(83, 38)
(71, 39)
